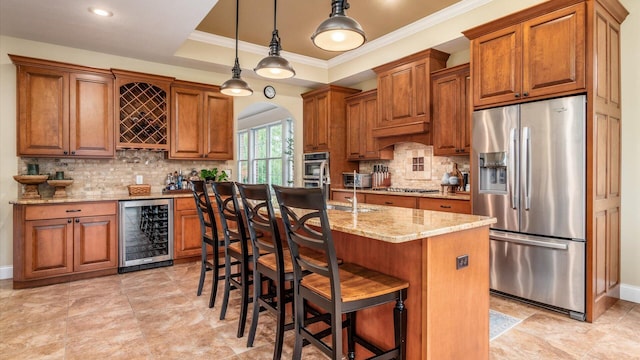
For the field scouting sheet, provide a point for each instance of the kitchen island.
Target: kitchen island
(444, 257)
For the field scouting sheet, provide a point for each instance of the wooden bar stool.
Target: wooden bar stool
(338, 290)
(237, 249)
(209, 232)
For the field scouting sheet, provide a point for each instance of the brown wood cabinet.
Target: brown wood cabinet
(187, 237)
(142, 108)
(447, 205)
(53, 243)
(567, 46)
(201, 122)
(325, 126)
(362, 116)
(539, 57)
(391, 200)
(452, 111)
(404, 95)
(345, 196)
(64, 110)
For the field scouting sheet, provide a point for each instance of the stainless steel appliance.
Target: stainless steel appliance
(316, 171)
(357, 180)
(146, 234)
(530, 175)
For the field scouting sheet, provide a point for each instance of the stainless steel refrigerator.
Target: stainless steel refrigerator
(530, 171)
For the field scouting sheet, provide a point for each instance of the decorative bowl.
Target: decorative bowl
(31, 179)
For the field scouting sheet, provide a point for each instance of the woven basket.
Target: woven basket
(138, 190)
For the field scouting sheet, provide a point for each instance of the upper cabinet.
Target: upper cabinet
(63, 110)
(538, 57)
(362, 116)
(324, 118)
(142, 106)
(452, 111)
(201, 122)
(404, 94)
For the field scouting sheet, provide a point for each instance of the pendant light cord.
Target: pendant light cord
(237, 20)
(275, 11)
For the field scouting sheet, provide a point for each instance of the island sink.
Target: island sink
(348, 208)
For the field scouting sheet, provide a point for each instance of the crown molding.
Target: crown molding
(222, 41)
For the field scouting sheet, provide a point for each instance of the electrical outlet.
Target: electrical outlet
(462, 261)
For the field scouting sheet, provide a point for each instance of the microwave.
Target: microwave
(361, 181)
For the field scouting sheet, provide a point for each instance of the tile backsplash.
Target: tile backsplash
(415, 166)
(111, 176)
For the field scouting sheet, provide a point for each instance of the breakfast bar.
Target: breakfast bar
(445, 259)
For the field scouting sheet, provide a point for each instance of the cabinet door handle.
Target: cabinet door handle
(68, 221)
(517, 95)
(525, 94)
(65, 152)
(73, 153)
(77, 221)
(388, 202)
(73, 210)
(445, 206)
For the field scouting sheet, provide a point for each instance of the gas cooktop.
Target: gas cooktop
(410, 190)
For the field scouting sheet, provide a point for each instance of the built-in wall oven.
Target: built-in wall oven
(316, 169)
(146, 234)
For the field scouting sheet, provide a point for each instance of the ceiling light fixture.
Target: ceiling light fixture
(100, 12)
(339, 32)
(275, 66)
(236, 86)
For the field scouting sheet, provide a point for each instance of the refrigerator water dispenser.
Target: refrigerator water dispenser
(493, 172)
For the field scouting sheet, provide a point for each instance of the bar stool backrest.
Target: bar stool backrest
(303, 211)
(230, 216)
(258, 210)
(205, 210)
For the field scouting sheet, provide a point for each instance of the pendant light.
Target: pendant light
(236, 86)
(275, 66)
(339, 32)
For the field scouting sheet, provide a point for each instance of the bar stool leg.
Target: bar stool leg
(216, 276)
(245, 299)
(227, 285)
(257, 292)
(299, 324)
(277, 353)
(203, 267)
(400, 325)
(351, 334)
(336, 334)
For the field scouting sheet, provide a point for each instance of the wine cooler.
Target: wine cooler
(146, 234)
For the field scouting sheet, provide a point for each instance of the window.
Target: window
(265, 154)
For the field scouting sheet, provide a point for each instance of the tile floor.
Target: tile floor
(154, 314)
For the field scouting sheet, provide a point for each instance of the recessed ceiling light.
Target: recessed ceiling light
(100, 12)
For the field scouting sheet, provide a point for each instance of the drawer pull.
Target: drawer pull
(388, 202)
(77, 220)
(68, 221)
(445, 206)
(73, 210)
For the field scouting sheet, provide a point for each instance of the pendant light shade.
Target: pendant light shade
(339, 32)
(275, 66)
(236, 86)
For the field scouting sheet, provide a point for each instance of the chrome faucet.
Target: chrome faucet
(324, 183)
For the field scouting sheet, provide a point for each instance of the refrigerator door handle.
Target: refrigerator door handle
(513, 168)
(530, 240)
(526, 158)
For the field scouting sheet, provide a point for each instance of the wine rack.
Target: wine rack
(143, 110)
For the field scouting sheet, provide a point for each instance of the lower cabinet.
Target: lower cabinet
(448, 205)
(54, 242)
(187, 237)
(412, 202)
(391, 200)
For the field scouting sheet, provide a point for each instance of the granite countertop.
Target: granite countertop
(398, 225)
(436, 195)
(104, 197)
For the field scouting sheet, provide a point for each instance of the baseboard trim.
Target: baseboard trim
(6, 272)
(630, 293)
